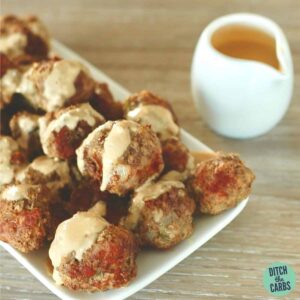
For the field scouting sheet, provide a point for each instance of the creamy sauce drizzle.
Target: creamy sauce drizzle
(76, 235)
(86, 143)
(13, 44)
(26, 125)
(148, 192)
(7, 146)
(115, 145)
(160, 119)
(45, 165)
(10, 82)
(14, 193)
(71, 118)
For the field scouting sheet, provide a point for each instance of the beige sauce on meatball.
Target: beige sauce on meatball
(160, 119)
(26, 123)
(115, 145)
(45, 165)
(86, 143)
(7, 146)
(13, 44)
(10, 81)
(70, 118)
(14, 193)
(76, 235)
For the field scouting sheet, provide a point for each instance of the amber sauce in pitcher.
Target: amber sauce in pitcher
(246, 42)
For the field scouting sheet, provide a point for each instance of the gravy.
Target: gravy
(246, 42)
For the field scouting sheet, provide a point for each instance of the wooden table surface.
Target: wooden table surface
(149, 45)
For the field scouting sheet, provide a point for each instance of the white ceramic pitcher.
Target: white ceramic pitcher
(241, 98)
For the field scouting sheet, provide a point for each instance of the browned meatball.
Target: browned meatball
(220, 183)
(177, 156)
(53, 84)
(23, 39)
(24, 216)
(90, 254)
(24, 128)
(10, 77)
(160, 214)
(121, 155)
(146, 108)
(102, 100)
(12, 158)
(62, 132)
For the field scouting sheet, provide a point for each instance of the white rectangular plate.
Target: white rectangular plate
(151, 264)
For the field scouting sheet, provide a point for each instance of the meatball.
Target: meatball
(220, 183)
(24, 128)
(24, 39)
(160, 214)
(177, 157)
(53, 84)
(11, 159)
(90, 254)
(121, 155)
(10, 76)
(102, 100)
(46, 171)
(24, 216)
(62, 132)
(146, 108)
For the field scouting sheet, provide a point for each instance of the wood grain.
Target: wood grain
(149, 44)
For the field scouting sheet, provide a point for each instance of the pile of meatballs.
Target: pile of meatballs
(93, 179)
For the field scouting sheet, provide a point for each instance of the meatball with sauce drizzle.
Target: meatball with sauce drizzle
(23, 39)
(160, 214)
(90, 254)
(62, 132)
(121, 155)
(146, 108)
(56, 83)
